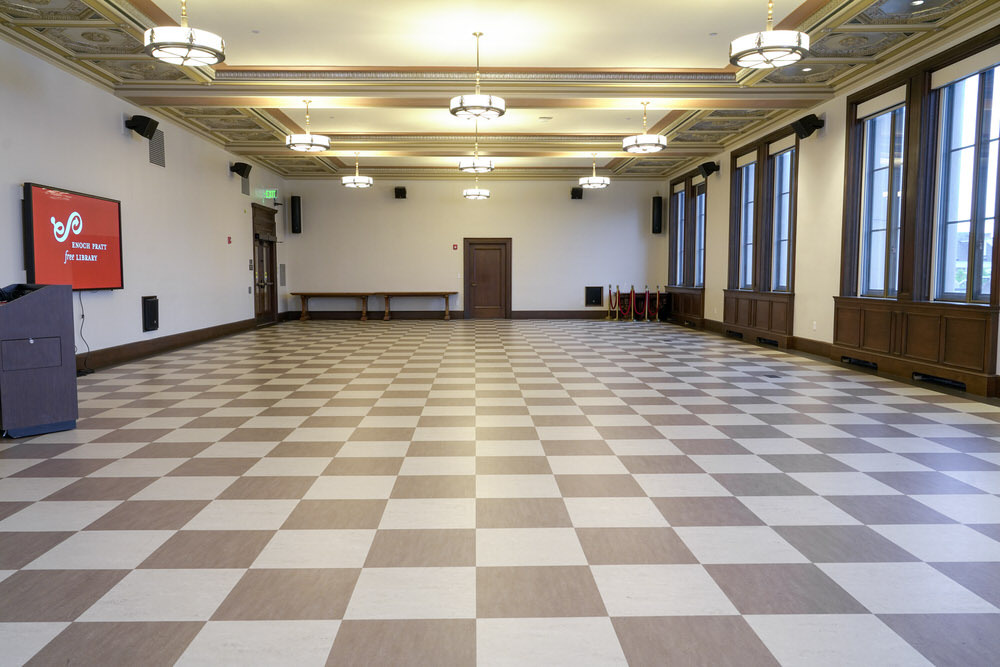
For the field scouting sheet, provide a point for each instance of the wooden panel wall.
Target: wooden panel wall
(756, 315)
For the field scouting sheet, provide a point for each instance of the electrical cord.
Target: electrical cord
(85, 370)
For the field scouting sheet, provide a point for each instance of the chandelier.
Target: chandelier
(594, 181)
(181, 45)
(476, 165)
(770, 48)
(476, 192)
(644, 143)
(307, 143)
(357, 181)
(477, 105)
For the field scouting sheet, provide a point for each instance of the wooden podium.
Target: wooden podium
(37, 363)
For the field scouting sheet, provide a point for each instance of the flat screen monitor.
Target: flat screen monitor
(72, 238)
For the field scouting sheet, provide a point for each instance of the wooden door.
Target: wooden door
(265, 287)
(487, 278)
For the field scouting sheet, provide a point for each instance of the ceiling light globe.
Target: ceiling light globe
(769, 49)
(595, 182)
(644, 143)
(357, 181)
(181, 45)
(475, 165)
(307, 143)
(476, 193)
(485, 107)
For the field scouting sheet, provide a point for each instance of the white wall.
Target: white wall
(366, 240)
(62, 131)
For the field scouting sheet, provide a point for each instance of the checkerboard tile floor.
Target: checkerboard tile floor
(501, 493)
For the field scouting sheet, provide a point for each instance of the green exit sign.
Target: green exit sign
(270, 194)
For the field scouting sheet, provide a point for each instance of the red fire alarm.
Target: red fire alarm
(454, 246)
(229, 240)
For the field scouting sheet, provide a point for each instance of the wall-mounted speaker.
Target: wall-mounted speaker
(241, 169)
(296, 213)
(576, 193)
(144, 126)
(806, 125)
(400, 193)
(706, 169)
(150, 313)
(657, 214)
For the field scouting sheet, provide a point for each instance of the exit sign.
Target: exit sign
(270, 194)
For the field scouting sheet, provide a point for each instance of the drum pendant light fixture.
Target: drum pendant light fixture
(357, 181)
(476, 165)
(183, 45)
(307, 143)
(644, 143)
(770, 48)
(477, 105)
(594, 181)
(476, 192)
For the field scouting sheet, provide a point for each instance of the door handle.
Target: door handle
(473, 284)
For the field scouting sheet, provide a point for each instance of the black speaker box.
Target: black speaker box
(296, 213)
(241, 169)
(706, 169)
(576, 193)
(400, 193)
(657, 214)
(806, 125)
(144, 126)
(150, 313)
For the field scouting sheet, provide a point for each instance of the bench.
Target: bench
(305, 296)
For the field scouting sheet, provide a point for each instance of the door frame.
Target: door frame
(264, 228)
(467, 272)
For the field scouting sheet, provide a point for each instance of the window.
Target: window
(679, 224)
(699, 234)
(746, 181)
(882, 199)
(969, 135)
(781, 219)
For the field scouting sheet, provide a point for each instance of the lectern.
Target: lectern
(37, 364)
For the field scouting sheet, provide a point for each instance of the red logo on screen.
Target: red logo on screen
(67, 252)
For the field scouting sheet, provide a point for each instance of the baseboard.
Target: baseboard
(374, 315)
(110, 356)
(810, 346)
(559, 314)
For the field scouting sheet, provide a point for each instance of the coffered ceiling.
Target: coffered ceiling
(379, 74)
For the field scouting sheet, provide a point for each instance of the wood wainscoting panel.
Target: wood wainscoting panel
(847, 326)
(687, 305)
(760, 315)
(966, 342)
(921, 336)
(876, 330)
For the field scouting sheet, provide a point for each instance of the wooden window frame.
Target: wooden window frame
(689, 233)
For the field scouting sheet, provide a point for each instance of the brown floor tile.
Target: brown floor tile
(433, 421)
(170, 450)
(53, 595)
(560, 420)
(877, 510)
(594, 486)
(576, 448)
(102, 488)
(396, 411)
(521, 513)
(19, 549)
(709, 446)
(289, 595)
(412, 643)
(350, 465)
(423, 548)
(659, 464)
(506, 433)
(513, 465)
(346, 421)
(442, 449)
(434, 486)
(916, 483)
(119, 644)
(64, 468)
(494, 410)
(783, 589)
(382, 434)
(711, 511)
(257, 434)
(843, 544)
(335, 514)
(267, 488)
(215, 422)
(103, 423)
(209, 548)
(950, 639)
(983, 579)
(719, 641)
(209, 467)
(991, 530)
(970, 445)
(843, 446)
(806, 463)
(134, 435)
(9, 508)
(288, 412)
(306, 449)
(629, 433)
(627, 546)
(519, 592)
(762, 484)
(149, 515)
(675, 420)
